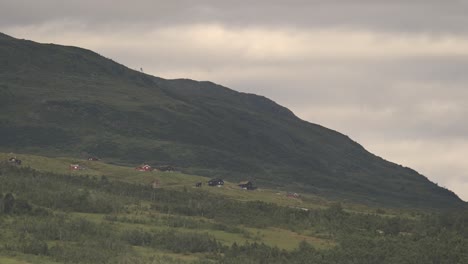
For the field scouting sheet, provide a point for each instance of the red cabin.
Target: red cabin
(144, 167)
(75, 167)
(293, 195)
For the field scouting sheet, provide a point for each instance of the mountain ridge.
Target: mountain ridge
(67, 100)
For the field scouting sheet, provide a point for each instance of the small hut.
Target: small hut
(76, 167)
(293, 195)
(246, 185)
(144, 167)
(216, 182)
(14, 161)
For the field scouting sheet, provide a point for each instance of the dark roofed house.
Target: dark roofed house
(93, 159)
(167, 168)
(215, 182)
(14, 160)
(247, 185)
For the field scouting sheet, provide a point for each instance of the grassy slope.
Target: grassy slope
(176, 180)
(66, 101)
(179, 181)
(140, 217)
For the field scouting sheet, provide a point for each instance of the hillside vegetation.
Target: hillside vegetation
(73, 217)
(67, 101)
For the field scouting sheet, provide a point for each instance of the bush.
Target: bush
(31, 245)
(8, 203)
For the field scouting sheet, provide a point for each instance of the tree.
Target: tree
(8, 203)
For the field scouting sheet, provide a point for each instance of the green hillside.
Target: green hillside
(170, 181)
(67, 101)
(111, 214)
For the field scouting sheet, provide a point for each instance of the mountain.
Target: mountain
(67, 101)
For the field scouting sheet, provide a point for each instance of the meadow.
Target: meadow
(111, 214)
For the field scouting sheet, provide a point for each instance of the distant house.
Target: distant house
(293, 195)
(76, 167)
(215, 182)
(247, 185)
(144, 167)
(93, 159)
(167, 168)
(14, 160)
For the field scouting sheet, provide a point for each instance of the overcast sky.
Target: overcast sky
(392, 75)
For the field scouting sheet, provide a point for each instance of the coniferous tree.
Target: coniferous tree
(8, 203)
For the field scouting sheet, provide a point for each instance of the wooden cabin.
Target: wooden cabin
(246, 185)
(14, 161)
(76, 167)
(144, 167)
(216, 182)
(293, 195)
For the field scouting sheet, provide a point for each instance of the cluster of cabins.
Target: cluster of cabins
(245, 185)
(143, 167)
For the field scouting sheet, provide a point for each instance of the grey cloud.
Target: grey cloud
(374, 84)
(432, 17)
